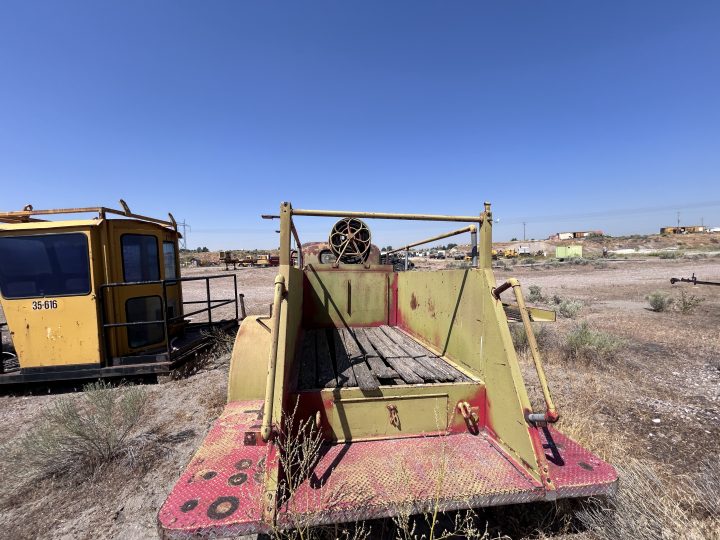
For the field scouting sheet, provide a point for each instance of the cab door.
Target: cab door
(144, 297)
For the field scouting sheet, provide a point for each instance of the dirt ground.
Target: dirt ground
(659, 401)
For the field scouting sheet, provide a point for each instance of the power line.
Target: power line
(185, 228)
(607, 213)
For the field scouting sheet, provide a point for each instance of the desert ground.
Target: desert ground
(649, 404)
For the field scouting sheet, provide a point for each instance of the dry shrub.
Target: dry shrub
(535, 294)
(585, 343)
(568, 309)
(648, 507)
(216, 356)
(520, 340)
(222, 342)
(659, 301)
(77, 435)
(687, 303)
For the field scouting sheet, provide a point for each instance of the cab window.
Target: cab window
(144, 309)
(37, 266)
(140, 257)
(169, 258)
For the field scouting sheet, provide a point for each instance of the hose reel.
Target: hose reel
(350, 241)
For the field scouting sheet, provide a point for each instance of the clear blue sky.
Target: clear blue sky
(217, 111)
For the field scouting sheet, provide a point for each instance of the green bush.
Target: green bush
(520, 340)
(659, 301)
(671, 255)
(585, 343)
(535, 294)
(569, 308)
(77, 435)
(687, 303)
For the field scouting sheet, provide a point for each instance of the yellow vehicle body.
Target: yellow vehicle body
(410, 380)
(89, 297)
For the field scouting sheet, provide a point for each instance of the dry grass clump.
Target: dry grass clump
(569, 308)
(535, 294)
(77, 435)
(686, 303)
(648, 507)
(659, 301)
(588, 344)
(222, 342)
(520, 340)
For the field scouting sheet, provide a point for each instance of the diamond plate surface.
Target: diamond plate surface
(373, 479)
(577, 472)
(220, 492)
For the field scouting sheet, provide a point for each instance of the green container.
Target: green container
(566, 252)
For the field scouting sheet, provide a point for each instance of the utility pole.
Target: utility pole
(185, 228)
(678, 215)
(524, 236)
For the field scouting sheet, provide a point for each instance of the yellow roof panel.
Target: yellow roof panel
(44, 225)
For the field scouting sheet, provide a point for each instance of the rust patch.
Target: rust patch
(413, 302)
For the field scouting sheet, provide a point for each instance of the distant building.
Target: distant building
(685, 229)
(575, 234)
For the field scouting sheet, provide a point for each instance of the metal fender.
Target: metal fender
(248, 367)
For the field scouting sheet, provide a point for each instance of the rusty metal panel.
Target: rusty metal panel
(344, 297)
(445, 310)
(220, 493)
(575, 471)
(368, 480)
(391, 415)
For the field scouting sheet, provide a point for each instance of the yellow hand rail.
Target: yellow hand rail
(272, 361)
(551, 414)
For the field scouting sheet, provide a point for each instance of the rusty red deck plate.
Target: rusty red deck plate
(577, 472)
(374, 479)
(220, 492)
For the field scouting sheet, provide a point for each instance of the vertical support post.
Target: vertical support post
(236, 296)
(407, 259)
(272, 361)
(209, 306)
(474, 246)
(165, 319)
(485, 251)
(285, 234)
(241, 298)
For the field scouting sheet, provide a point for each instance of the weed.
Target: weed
(648, 507)
(535, 294)
(659, 301)
(77, 435)
(520, 340)
(569, 308)
(687, 303)
(585, 343)
(671, 255)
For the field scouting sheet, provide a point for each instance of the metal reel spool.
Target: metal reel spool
(350, 241)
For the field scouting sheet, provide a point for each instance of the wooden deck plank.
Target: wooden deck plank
(396, 357)
(377, 365)
(430, 359)
(397, 363)
(307, 361)
(363, 376)
(325, 371)
(345, 374)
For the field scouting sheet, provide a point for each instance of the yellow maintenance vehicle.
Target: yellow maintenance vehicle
(408, 382)
(97, 297)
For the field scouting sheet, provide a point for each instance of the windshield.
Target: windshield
(44, 265)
